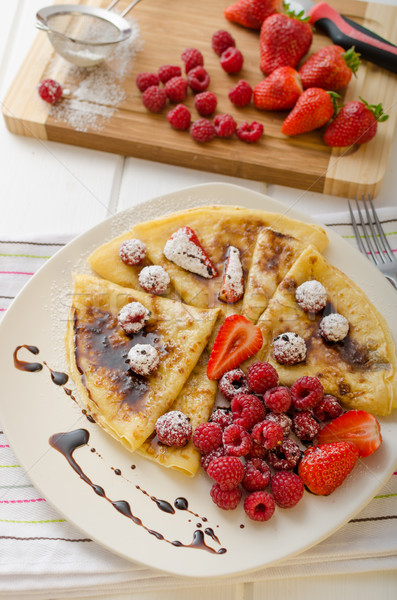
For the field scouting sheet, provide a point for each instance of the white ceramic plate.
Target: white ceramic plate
(33, 408)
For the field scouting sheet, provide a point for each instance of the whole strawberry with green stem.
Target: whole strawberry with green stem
(323, 468)
(355, 123)
(279, 91)
(284, 40)
(313, 109)
(252, 13)
(331, 68)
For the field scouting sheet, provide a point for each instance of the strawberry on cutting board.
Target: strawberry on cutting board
(252, 13)
(323, 468)
(331, 68)
(283, 41)
(279, 91)
(237, 340)
(355, 123)
(313, 109)
(357, 426)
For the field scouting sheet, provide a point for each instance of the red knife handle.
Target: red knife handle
(347, 33)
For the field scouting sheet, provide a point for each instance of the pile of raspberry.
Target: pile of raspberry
(251, 448)
(169, 85)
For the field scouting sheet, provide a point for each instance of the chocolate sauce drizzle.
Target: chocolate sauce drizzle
(22, 365)
(67, 443)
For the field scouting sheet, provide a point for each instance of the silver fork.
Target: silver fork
(376, 246)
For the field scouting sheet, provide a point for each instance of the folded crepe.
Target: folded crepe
(124, 404)
(361, 369)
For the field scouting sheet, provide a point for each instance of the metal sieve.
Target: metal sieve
(84, 35)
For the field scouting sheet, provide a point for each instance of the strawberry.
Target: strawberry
(283, 41)
(323, 468)
(184, 249)
(232, 288)
(237, 340)
(279, 91)
(313, 109)
(355, 123)
(356, 426)
(252, 13)
(331, 68)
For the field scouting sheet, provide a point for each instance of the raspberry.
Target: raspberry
(176, 89)
(240, 95)
(154, 279)
(261, 376)
(132, 317)
(226, 499)
(233, 382)
(198, 79)
(257, 451)
(50, 90)
(311, 296)
(306, 392)
(221, 41)
(143, 359)
(207, 458)
(132, 252)
(247, 410)
(268, 433)
(281, 419)
(222, 416)
(154, 98)
(205, 103)
(305, 426)
(227, 471)
(232, 60)
(192, 58)
(284, 457)
(257, 475)
(334, 327)
(277, 399)
(259, 506)
(146, 80)
(249, 132)
(174, 429)
(287, 488)
(328, 408)
(167, 72)
(202, 130)
(179, 117)
(289, 348)
(207, 437)
(225, 125)
(236, 440)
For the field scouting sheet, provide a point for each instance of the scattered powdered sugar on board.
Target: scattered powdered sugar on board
(92, 102)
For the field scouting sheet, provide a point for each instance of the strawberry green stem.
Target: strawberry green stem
(352, 59)
(376, 109)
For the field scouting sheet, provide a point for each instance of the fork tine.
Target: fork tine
(386, 245)
(374, 233)
(356, 231)
(366, 236)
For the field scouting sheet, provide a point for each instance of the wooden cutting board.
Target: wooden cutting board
(167, 28)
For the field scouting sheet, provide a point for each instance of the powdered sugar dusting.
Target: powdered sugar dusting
(154, 279)
(99, 91)
(132, 317)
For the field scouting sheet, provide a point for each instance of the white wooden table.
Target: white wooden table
(52, 188)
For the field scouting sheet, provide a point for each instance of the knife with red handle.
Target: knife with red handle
(346, 33)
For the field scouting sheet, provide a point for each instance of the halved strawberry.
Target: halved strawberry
(232, 288)
(237, 340)
(357, 426)
(185, 250)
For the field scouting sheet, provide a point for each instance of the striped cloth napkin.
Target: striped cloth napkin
(44, 557)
